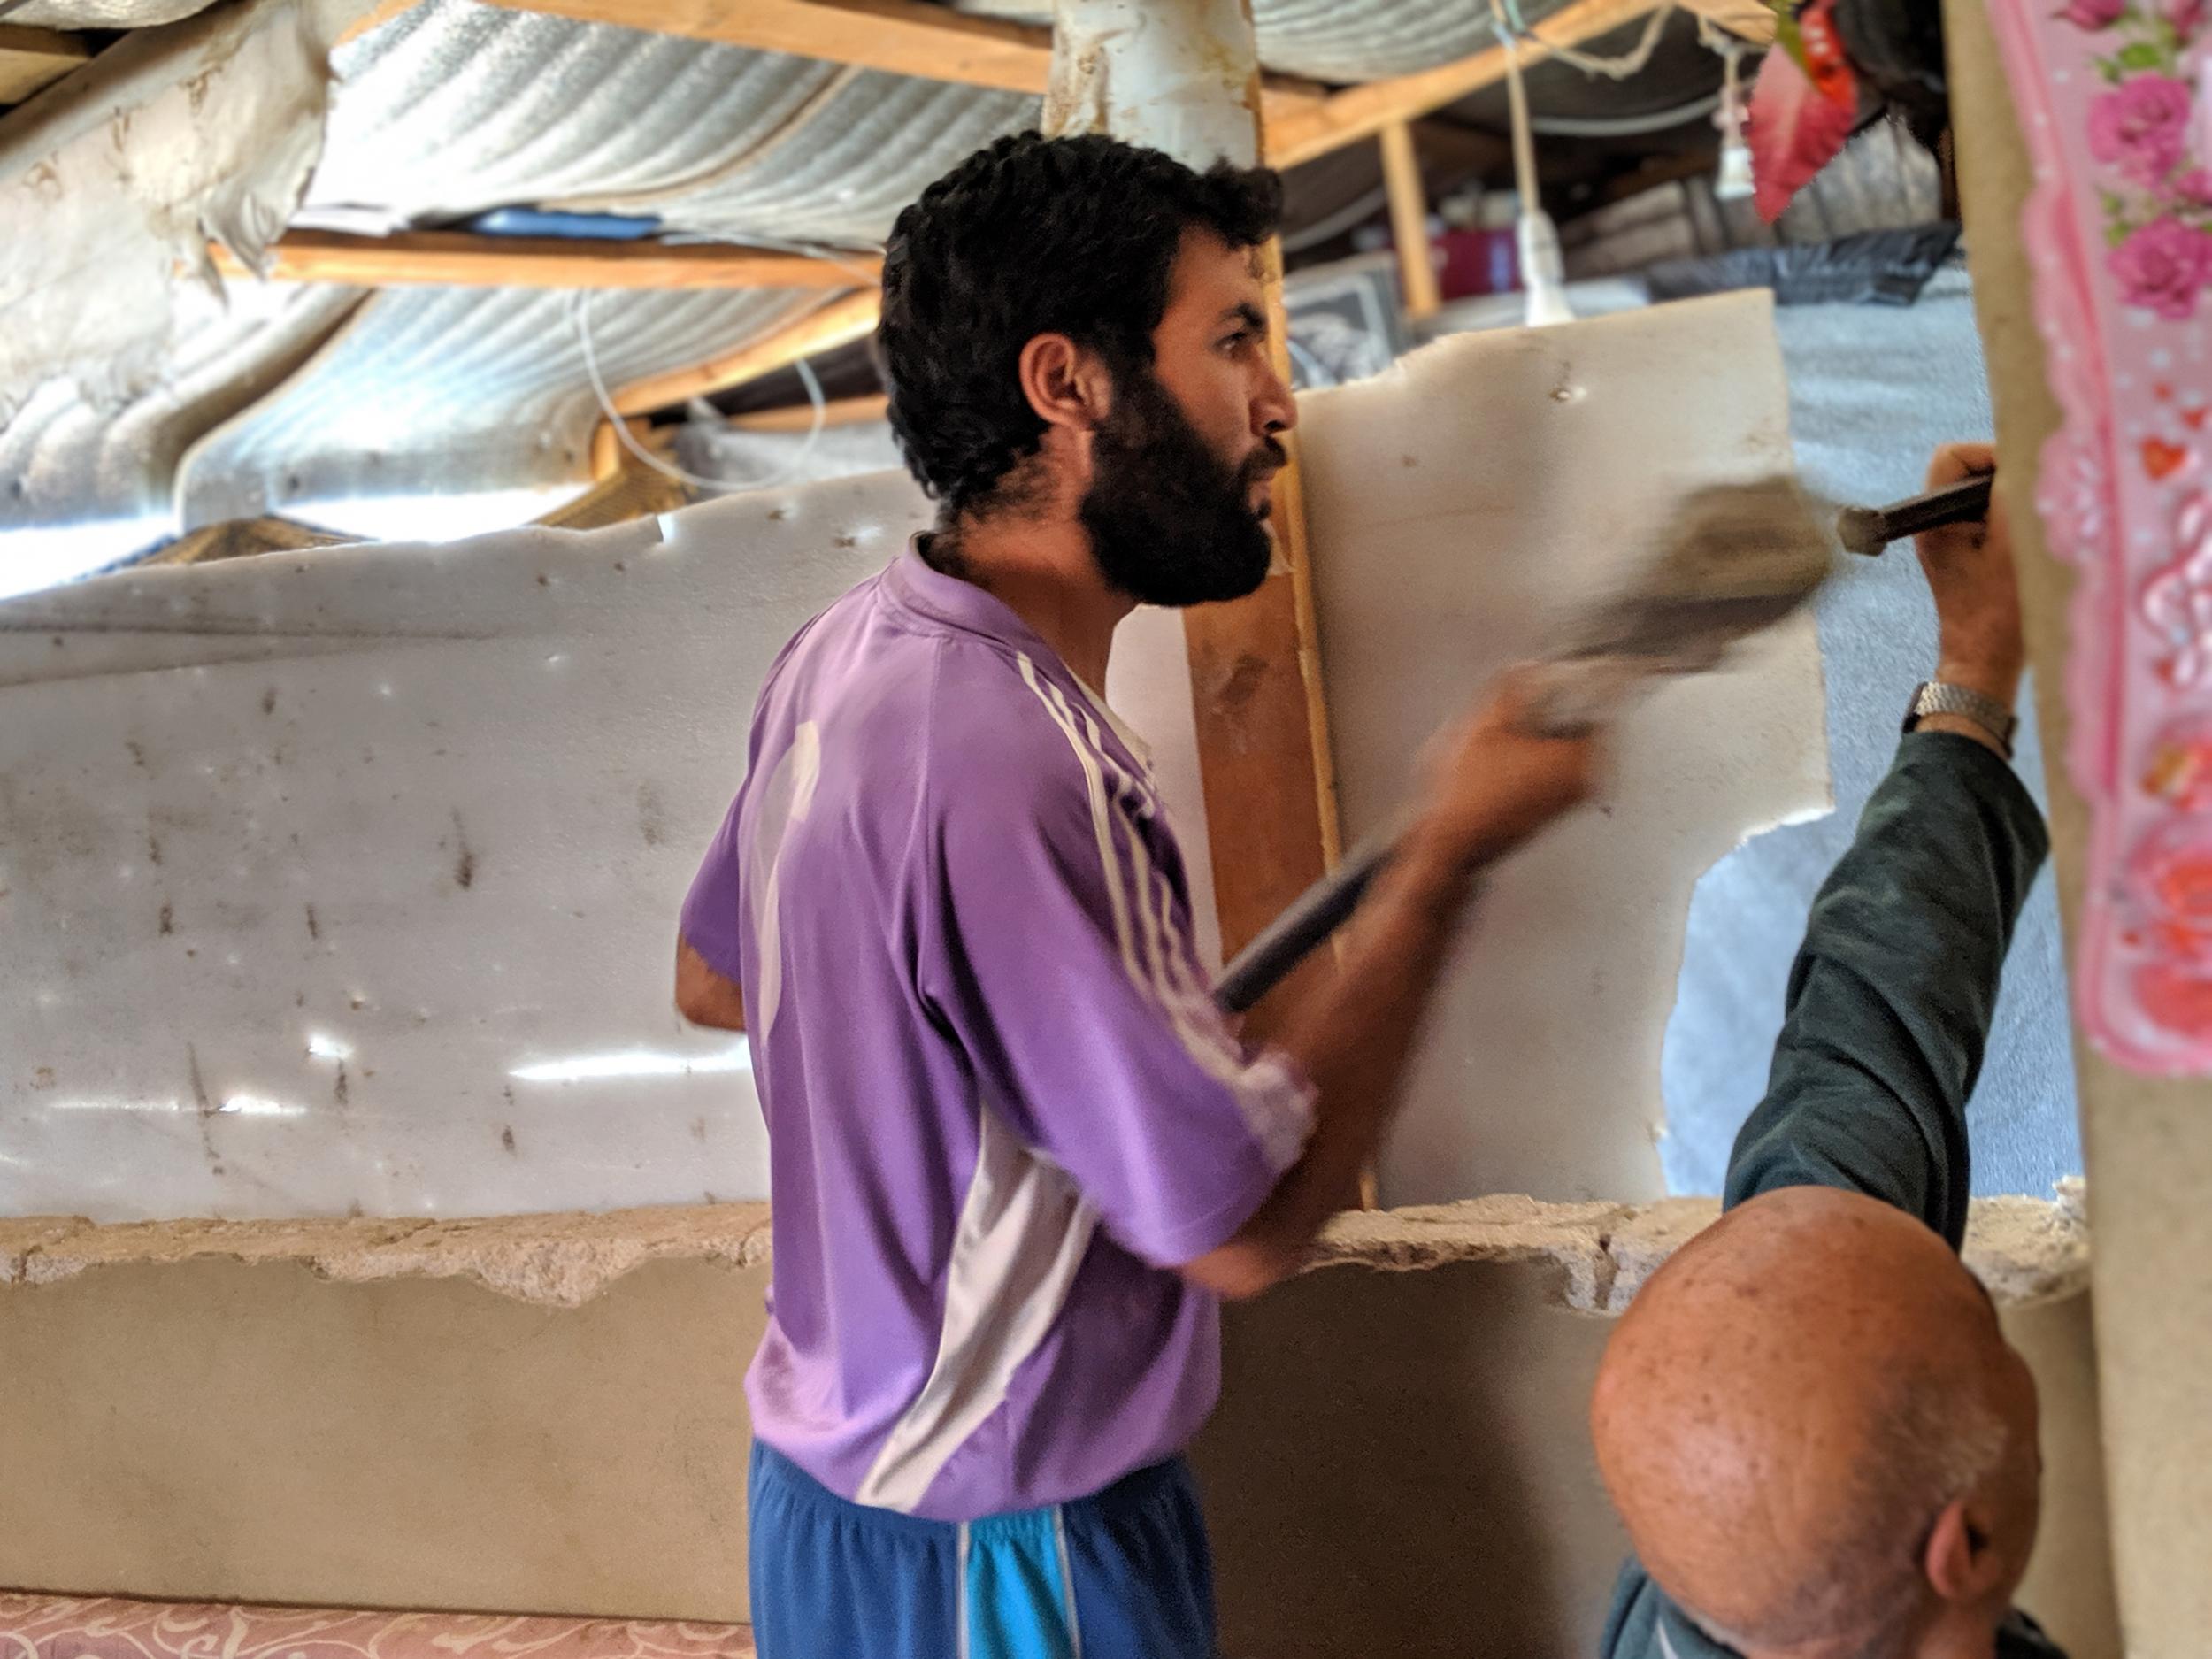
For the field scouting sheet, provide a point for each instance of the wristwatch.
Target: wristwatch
(1935, 697)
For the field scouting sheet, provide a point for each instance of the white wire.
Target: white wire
(1318, 372)
(623, 434)
(580, 321)
(1624, 125)
(1524, 140)
(1632, 62)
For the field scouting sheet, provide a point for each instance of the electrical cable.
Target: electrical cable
(1624, 125)
(1318, 373)
(580, 321)
(1632, 62)
(1543, 273)
(1348, 217)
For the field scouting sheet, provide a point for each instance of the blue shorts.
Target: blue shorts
(1124, 1575)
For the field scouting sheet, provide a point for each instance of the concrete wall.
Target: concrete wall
(544, 1415)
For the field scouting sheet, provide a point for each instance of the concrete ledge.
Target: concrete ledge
(563, 1259)
(545, 1415)
(2026, 1250)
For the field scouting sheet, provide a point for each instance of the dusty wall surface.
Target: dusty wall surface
(350, 881)
(546, 1414)
(2148, 1142)
(1436, 566)
(213, 1414)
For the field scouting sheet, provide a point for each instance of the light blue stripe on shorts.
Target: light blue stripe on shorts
(1123, 1574)
(1017, 1598)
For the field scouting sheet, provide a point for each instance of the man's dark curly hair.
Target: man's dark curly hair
(1036, 235)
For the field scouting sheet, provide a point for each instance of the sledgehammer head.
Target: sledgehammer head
(1731, 559)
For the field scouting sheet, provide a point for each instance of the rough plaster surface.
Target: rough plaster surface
(1469, 503)
(544, 1415)
(2148, 1142)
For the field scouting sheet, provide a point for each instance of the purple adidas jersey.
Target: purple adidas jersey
(1001, 1102)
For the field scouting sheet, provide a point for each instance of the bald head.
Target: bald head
(1790, 1402)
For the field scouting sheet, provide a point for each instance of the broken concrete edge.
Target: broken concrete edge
(2024, 1250)
(563, 1260)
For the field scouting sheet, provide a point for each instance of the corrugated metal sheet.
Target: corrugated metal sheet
(66, 462)
(457, 107)
(430, 391)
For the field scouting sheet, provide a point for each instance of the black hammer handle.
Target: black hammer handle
(1868, 530)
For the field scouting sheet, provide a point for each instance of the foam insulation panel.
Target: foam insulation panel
(208, 129)
(347, 882)
(350, 882)
(1462, 506)
(543, 1415)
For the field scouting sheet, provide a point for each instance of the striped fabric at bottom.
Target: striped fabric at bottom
(1016, 1600)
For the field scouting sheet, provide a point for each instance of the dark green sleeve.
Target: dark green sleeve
(1891, 998)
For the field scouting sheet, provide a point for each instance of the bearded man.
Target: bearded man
(1017, 1154)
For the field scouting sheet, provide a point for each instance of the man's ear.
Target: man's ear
(1961, 1559)
(1066, 385)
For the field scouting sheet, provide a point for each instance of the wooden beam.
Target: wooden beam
(1365, 111)
(1752, 20)
(32, 59)
(839, 323)
(450, 259)
(904, 37)
(1410, 221)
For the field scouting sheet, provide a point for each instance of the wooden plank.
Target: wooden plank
(904, 37)
(451, 259)
(839, 323)
(1410, 221)
(1365, 112)
(32, 59)
(1752, 20)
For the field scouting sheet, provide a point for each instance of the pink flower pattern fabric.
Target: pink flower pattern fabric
(2162, 266)
(2094, 14)
(113, 1627)
(2115, 101)
(2142, 126)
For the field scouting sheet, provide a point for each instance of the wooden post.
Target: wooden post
(1409, 221)
(1184, 77)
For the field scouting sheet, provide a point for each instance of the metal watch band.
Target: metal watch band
(1936, 697)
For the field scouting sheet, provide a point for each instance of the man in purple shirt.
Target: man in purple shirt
(1017, 1154)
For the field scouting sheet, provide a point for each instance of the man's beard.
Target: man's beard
(1171, 522)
